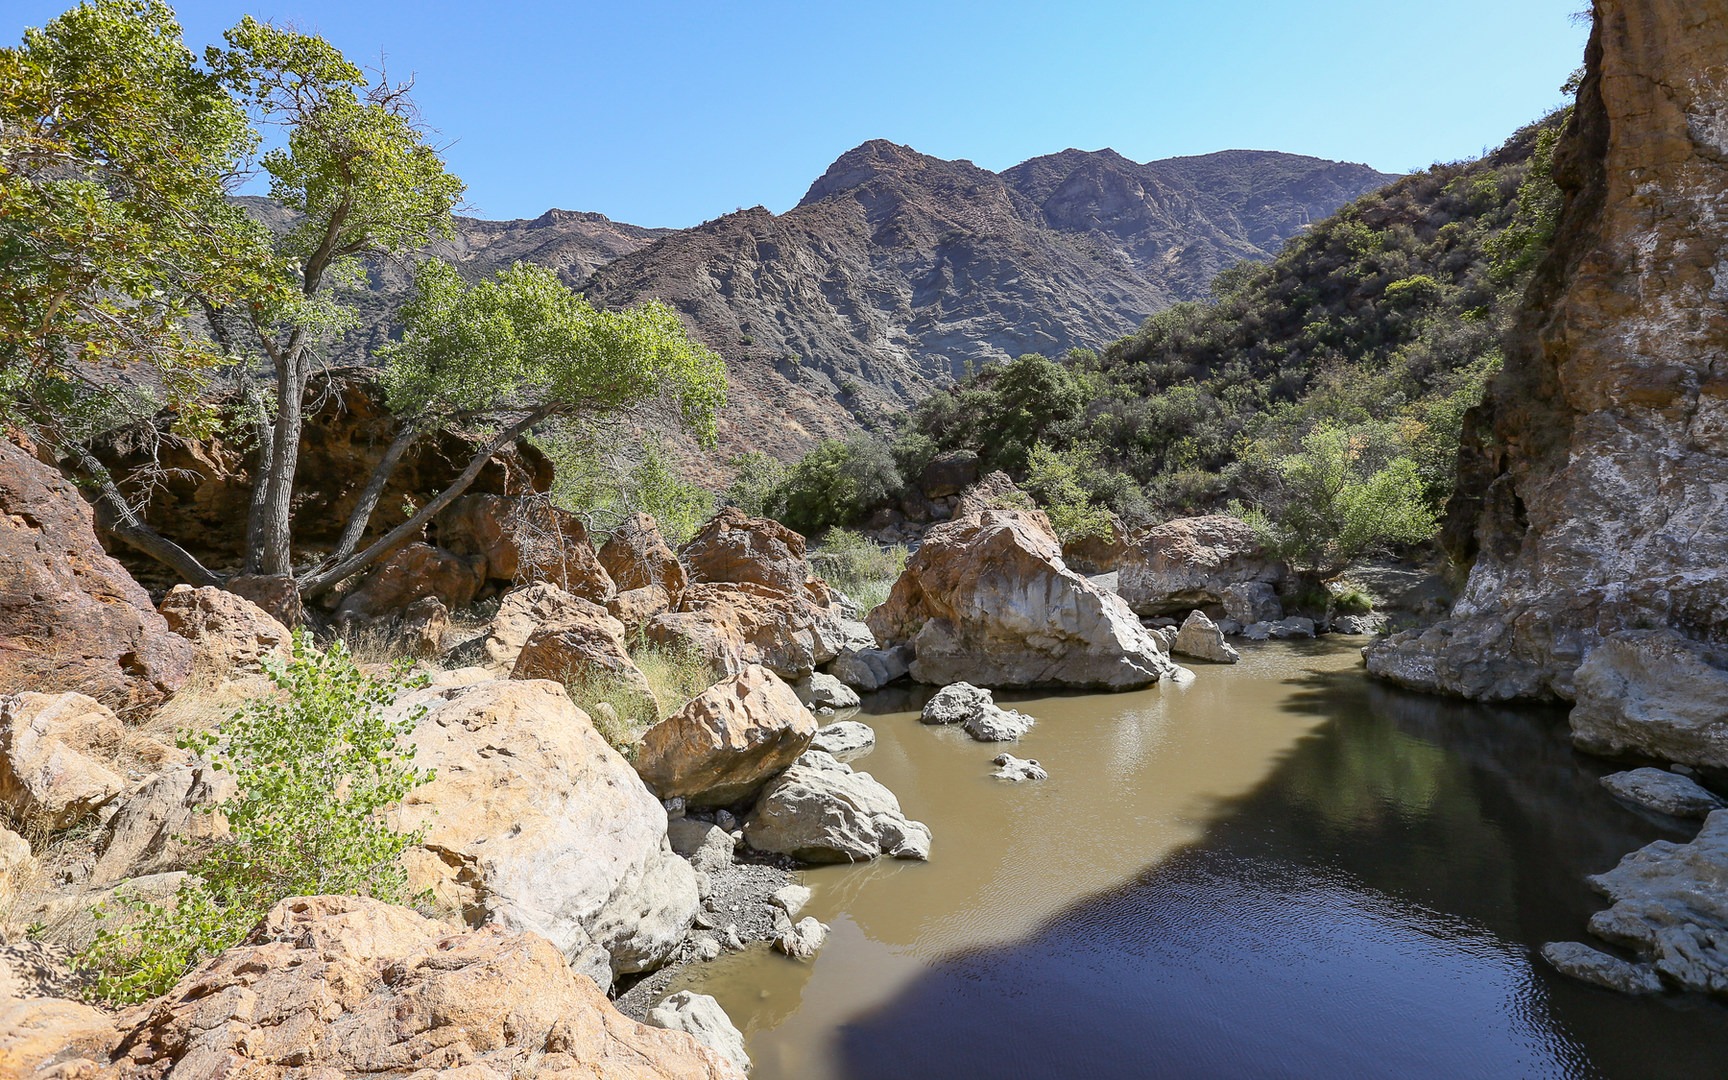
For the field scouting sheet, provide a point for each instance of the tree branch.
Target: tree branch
(374, 490)
(117, 517)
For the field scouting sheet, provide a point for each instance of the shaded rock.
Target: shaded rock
(1654, 693)
(638, 557)
(71, 617)
(845, 740)
(872, 669)
(1201, 639)
(702, 1018)
(728, 741)
(420, 630)
(1099, 554)
(800, 940)
(820, 690)
(988, 600)
(522, 540)
(1670, 907)
(277, 595)
(1192, 562)
(1249, 602)
(1580, 961)
(997, 491)
(37, 1030)
(159, 826)
(1294, 627)
(1016, 769)
(582, 646)
(1359, 625)
(415, 571)
(229, 631)
(824, 815)
(35, 969)
(1664, 792)
(705, 844)
(534, 823)
(343, 986)
(949, 474)
(55, 756)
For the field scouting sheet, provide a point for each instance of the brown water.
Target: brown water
(1279, 869)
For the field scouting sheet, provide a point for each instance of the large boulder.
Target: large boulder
(733, 626)
(735, 548)
(702, 1018)
(724, 745)
(333, 986)
(57, 753)
(71, 618)
(1201, 639)
(230, 632)
(413, 572)
(520, 614)
(975, 708)
(1653, 693)
(1191, 562)
(1099, 553)
(159, 827)
(534, 823)
(637, 556)
(949, 474)
(820, 811)
(583, 645)
(1593, 479)
(871, 669)
(523, 539)
(988, 600)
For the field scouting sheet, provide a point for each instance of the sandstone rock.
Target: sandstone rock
(523, 540)
(521, 613)
(832, 814)
(1670, 907)
(702, 1018)
(638, 557)
(343, 986)
(636, 607)
(1582, 962)
(72, 618)
(706, 845)
(229, 631)
(1664, 792)
(800, 940)
(38, 1030)
(736, 626)
(35, 969)
(1016, 769)
(1594, 477)
(158, 826)
(819, 689)
(728, 741)
(582, 645)
(735, 548)
(871, 669)
(988, 600)
(1249, 602)
(534, 823)
(415, 571)
(1192, 562)
(949, 474)
(276, 595)
(55, 756)
(845, 740)
(1653, 692)
(422, 627)
(1201, 639)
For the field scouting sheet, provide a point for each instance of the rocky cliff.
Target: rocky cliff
(898, 270)
(1593, 482)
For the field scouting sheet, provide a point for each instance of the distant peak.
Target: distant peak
(863, 163)
(560, 217)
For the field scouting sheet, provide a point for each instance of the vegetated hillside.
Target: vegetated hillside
(898, 271)
(1385, 318)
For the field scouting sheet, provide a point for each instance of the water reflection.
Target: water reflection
(1280, 870)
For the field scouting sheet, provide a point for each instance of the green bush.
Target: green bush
(317, 766)
(1053, 479)
(756, 485)
(839, 483)
(863, 570)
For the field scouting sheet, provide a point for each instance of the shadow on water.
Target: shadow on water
(1372, 909)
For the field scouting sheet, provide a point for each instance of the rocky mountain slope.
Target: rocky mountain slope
(1594, 479)
(898, 270)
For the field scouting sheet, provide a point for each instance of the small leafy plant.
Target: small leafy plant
(317, 766)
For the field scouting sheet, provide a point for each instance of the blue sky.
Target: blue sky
(669, 113)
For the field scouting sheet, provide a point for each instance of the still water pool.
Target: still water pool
(1282, 869)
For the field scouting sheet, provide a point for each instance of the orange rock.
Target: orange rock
(728, 741)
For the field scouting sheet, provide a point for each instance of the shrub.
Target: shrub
(619, 709)
(863, 570)
(1053, 479)
(839, 483)
(756, 485)
(317, 766)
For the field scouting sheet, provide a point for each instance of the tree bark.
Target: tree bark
(374, 490)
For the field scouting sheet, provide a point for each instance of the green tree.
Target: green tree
(838, 483)
(756, 486)
(1054, 480)
(317, 766)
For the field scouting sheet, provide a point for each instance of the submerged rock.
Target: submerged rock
(1590, 965)
(823, 812)
(802, 939)
(702, 1018)
(1663, 792)
(976, 709)
(1201, 639)
(1017, 769)
(1283, 629)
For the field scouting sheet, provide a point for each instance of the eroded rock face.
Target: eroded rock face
(735, 548)
(1099, 554)
(56, 753)
(733, 626)
(637, 556)
(521, 540)
(1594, 478)
(1193, 562)
(724, 745)
(1655, 693)
(343, 986)
(415, 571)
(520, 614)
(534, 823)
(72, 618)
(229, 631)
(157, 827)
(988, 600)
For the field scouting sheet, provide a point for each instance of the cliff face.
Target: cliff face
(1594, 480)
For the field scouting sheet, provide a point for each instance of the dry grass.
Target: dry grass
(862, 569)
(619, 710)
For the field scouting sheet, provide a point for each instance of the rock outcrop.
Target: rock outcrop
(1594, 478)
(724, 745)
(1655, 693)
(1664, 792)
(342, 986)
(534, 823)
(583, 645)
(988, 600)
(637, 556)
(1195, 562)
(71, 617)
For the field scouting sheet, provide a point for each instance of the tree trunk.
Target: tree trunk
(362, 515)
(270, 547)
(116, 517)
